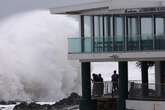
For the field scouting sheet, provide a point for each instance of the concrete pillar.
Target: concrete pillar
(158, 78)
(86, 103)
(123, 85)
(144, 71)
(162, 79)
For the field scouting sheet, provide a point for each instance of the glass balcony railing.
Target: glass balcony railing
(106, 44)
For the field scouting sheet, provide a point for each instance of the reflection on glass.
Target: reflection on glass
(87, 26)
(98, 33)
(107, 42)
(96, 26)
(133, 41)
(146, 34)
(105, 26)
(74, 45)
(159, 26)
(160, 38)
(87, 44)
(101, 26)
(119, 34)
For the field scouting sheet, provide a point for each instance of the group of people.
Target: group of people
(98, 84)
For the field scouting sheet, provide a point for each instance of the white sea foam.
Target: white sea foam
(33, 57)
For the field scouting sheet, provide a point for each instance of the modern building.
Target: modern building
(121, 31)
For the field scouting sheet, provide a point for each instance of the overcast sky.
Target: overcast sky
(10, 7)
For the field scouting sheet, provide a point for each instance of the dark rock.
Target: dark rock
(73, 99)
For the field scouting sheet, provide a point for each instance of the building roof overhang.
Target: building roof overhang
(79, 8)
(108, 7)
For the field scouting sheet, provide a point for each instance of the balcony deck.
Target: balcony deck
(103, 48)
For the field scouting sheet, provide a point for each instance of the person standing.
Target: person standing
(101, 85)
(94, 89)
(115, 79)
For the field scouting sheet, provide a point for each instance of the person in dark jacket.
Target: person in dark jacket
(101, 85)
(115, 80)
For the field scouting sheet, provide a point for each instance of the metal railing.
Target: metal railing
(102, 89)
(150, 91)
(136, 90)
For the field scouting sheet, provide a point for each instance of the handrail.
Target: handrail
(135, 90)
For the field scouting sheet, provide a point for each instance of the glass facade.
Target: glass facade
(118, 34)
(133, 38)
(87, 34)
(160, 32)
(146, 33)
(107, 33)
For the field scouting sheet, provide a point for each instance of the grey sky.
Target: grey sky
(10, 7)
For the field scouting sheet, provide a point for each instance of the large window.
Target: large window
(133, 37)
(160, 38)
(87, 41)
(119, 34)
(146, 33)
(87, 26)
(106, 26)
(106, 33)
(98, 33)
(96, 26)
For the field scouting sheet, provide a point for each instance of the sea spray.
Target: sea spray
(33, 57)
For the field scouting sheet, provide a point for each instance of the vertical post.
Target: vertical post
(109, 33)
(139, 32)
(113, 32)
(162, 80)
(123, 85)
(154, 32)
(158, 81)
(126, 33)
(103, 26)
(93, 34)
(82, 33)
(144, 70)
(86, 103)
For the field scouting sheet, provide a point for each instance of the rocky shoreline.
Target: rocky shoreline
(69, 103)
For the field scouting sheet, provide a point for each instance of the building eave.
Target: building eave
(106, 6)
(119, 56)
(77, 9)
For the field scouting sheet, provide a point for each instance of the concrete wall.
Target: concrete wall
(120, 56)
(112, 4)
(145, 105)
(119, 4)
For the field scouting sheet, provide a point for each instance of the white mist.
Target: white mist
(33, 57)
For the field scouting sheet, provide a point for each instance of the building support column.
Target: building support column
(162, 79)
(123, 85)
(86, 103)
(158, 78)
(144, 71)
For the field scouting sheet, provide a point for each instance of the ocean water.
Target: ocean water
(7, 107)
(11, 107)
